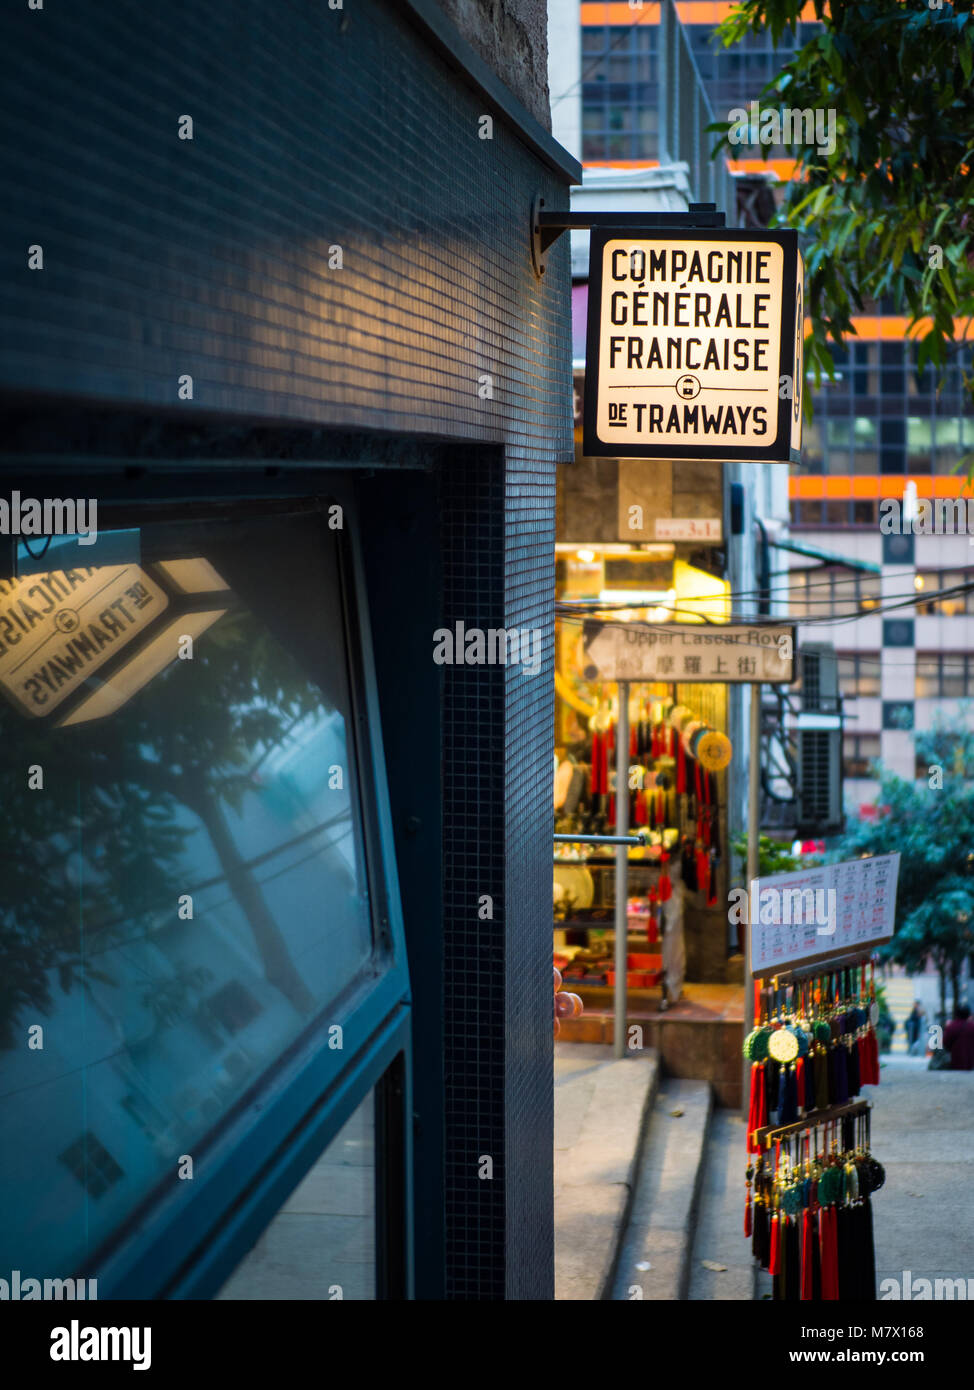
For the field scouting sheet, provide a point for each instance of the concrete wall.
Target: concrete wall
(512, 38)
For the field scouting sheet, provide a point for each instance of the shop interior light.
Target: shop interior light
(644, 550)
(587, 557)
(918, 581)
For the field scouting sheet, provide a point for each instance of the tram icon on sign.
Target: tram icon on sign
(687, 386)
(67, 620)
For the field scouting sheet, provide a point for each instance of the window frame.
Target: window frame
(186, 1242)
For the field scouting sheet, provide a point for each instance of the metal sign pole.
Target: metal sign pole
(753, 838)
(622, 869)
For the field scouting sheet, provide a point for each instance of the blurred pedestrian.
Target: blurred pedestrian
(914, 1025)
(959, 1039)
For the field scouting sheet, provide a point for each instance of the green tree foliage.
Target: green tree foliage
(774, 856)
(887, 215)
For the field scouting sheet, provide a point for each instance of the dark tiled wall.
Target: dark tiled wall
(315, 128)
(312, 128)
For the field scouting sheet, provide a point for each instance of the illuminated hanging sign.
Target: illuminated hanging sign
(694, 345)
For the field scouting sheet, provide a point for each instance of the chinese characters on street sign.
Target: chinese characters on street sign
(688, 652)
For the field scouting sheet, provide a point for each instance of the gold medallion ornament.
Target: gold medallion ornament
(783, 1045)
(714, 751)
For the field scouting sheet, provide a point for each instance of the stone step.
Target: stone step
(719, 1235)
(601, 1106)
(655, 1252)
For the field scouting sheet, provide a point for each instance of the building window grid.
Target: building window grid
(950, 606)
(944, 676)
(859, 752)
(859, 674)
(831, 591)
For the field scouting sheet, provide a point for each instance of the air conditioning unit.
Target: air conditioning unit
(819, 783)
(819, 678)
(819, 788)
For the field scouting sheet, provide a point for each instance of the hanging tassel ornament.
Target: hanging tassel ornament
(808, 1258)
(665, 886)
(774, 1260)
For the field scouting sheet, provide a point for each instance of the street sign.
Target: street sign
(694, 345)
(688, 652)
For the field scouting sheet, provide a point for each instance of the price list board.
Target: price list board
(817, 913)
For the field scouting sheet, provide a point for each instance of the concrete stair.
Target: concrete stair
(655, 1251)
(649, 1184)
(601, 1107)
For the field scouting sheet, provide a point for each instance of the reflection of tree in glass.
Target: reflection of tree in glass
(88, 859)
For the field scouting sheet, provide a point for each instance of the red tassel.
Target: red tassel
(774, 1263)
(752, 1114)
(800, 1082)
(869, 1074)
(633, 742)
(762, 1100)
(703, 872)
(641, 815)
(747, 1214)
(807, 1256)
(829, 1249)
(665, 886)
(681, 767)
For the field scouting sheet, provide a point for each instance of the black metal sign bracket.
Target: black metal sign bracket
(547, 227)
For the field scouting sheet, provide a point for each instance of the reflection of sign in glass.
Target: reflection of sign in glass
(57, 629)
(694, 343)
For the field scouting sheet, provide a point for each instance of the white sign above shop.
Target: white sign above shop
(694, 345)
(691, 528)
(689, 652)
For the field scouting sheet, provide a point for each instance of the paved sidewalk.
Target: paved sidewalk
(923, 1134)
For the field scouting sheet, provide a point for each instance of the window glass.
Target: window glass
(927, 679)
(185, 887)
